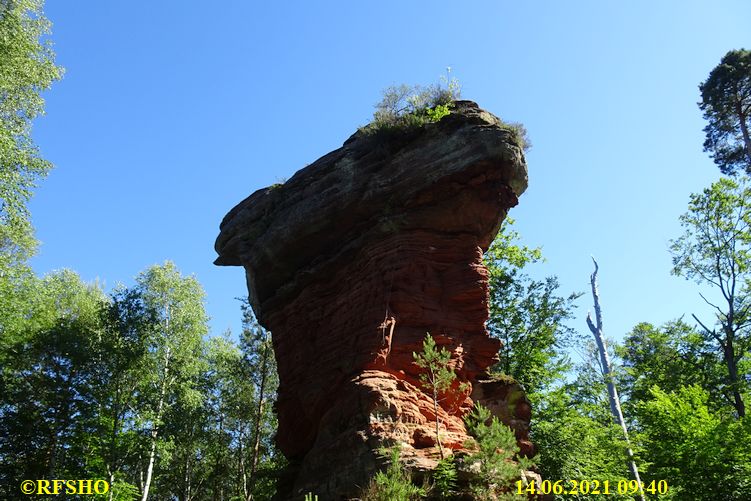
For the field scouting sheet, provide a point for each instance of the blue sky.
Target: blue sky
(172, 112)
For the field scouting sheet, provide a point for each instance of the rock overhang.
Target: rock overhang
(369, 187)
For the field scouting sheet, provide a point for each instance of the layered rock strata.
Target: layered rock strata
(350, 263)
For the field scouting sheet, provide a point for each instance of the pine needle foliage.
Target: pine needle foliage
(394, 484)
(445, 478)
(496, 455)
(437, 377)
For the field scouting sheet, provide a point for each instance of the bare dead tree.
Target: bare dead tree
(607, 374)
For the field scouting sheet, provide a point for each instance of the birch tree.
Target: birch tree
(27, 68)
(121, 366)
(180, 322)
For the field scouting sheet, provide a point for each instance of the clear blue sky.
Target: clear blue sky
(171, 112)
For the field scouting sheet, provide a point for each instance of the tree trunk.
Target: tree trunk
(730, 360)
(437, 434)
(243, 470)
(744, 132)
(140, 472)
(615, 402)
(217, 493)
(111, 467)
(730, 329)
(152, 453)
(62, 418)
(435, 410)
(155, 428)
(111, 480)
(259, 415)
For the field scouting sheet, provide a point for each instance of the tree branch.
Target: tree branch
(712, 332)
(711, 304)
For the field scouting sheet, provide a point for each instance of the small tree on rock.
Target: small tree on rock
(437, 377)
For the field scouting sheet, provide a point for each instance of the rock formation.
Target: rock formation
(350, 263)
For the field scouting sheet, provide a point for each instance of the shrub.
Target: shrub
(518, 134)
(405, 107)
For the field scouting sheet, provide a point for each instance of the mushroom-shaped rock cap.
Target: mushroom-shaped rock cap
(375, 184)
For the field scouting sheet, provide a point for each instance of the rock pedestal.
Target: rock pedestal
(350, 263)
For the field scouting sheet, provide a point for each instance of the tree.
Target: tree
(176, 306)
(258, 367)
(216, 435)
(687, 434)
(218, 444)
(185, 437)
(437, 377)
(228, 396)
(121, 366)
(715, 250)
(394, 484)
(496, 454)
(574, 430)
(527, 315)
(27, 68)
(575, 437)
(726, 103)
(574, 445)
(48, 383)
(607, 374)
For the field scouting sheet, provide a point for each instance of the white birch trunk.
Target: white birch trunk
(160, 404)
(154, 436)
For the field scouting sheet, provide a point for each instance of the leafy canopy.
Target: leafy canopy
(695, 447)
(27, 68)
(671, 356)
(715, 250)
(527, 315)
(715, 247)
(49, 381)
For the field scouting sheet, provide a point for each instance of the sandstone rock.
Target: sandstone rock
(349, 263)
